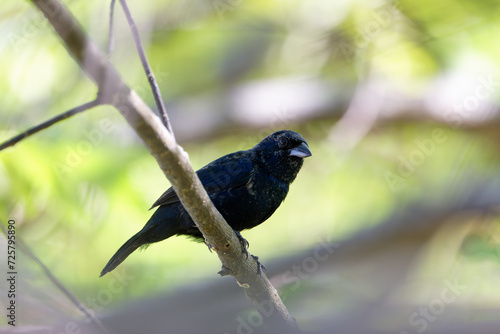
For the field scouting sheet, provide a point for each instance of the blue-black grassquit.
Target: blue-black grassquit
(246, 187)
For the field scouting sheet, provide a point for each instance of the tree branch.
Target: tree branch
(173, 162)
(13, 141)
(111, 38)
(145, 64)
(29, 253)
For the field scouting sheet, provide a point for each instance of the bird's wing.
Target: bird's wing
(168, 197)
(228, 172)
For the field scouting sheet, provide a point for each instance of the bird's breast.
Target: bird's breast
(252, 203)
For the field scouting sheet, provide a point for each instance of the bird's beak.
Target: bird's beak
(301, 151)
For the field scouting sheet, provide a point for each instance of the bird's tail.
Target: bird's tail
(121, 254)
(163, 224)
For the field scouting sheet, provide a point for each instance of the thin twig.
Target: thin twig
(27, 251)
(111, 39)
(147, 68)
(13, 141)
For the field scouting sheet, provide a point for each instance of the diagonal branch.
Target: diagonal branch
(27, 251)
(173, 162)
(13, 141)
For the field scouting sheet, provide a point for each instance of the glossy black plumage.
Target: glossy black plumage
(246, 187)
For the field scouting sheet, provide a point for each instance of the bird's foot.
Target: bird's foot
(209, 246)
(260, 267)
(244, 246)
(244, 243)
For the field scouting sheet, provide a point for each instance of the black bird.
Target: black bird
(246, 187)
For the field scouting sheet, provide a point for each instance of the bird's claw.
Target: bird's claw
(244, 243)
(244, 246)
(260, 267)
(209, 246)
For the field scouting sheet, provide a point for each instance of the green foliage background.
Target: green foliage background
(81, 188)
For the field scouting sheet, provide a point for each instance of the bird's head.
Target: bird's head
(282, 154)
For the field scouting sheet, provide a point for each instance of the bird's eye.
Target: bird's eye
(282, 142)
